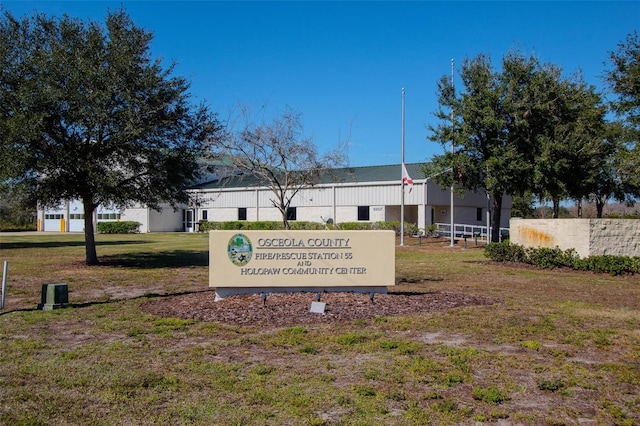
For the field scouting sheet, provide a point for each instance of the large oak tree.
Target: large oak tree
(492, 143)
(86, 113)
(526, 129)
(623, 79)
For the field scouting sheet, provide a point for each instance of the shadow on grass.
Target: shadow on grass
(162, 259)
(418, 280)
(144, 296)
(106, 302)
(58, 244)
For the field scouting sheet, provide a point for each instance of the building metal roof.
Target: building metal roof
(387, 173)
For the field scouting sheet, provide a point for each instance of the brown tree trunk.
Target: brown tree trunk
(599, 207)
(89, 236)
(580, 208)
(495, 218)
(556, 208)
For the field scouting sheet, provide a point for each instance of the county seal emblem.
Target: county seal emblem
(239, 249)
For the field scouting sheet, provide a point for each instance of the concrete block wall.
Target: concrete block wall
(618, 237)
(589, 237)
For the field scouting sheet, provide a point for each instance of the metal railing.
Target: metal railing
(462, 230)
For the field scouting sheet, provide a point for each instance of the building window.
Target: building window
(108, 216)
(479, 214)
(76, 216)
(292, 213)
(53, 216)
(242, 213)
(205, 214)
(363, 213)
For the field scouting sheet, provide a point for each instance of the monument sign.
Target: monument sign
(258, 261)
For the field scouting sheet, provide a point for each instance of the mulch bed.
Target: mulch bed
(287, 309)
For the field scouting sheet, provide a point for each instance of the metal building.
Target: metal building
(369, 194)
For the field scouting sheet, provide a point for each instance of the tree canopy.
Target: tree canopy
(86, 113)
(491, 144)
(527, 129)
(623, 79)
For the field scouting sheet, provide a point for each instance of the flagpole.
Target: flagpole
(453, 152)
(402, 178)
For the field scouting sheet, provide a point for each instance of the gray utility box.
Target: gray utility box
(54, 296)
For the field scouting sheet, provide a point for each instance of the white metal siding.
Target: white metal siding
(166, 220)
(224, 215)
(376, 213)
(314, 214)
(138, 214)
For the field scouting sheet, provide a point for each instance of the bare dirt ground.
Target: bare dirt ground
(285, 309)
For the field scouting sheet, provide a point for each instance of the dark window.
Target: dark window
(205, 214)
(242, 213)
(479, 214)
(363, 213)
(292, 214)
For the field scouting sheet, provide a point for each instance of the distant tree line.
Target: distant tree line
(530, 131)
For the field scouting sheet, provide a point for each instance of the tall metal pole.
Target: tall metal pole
(453, 151)
(402, 178)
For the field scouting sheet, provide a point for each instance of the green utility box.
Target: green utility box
(54, 296)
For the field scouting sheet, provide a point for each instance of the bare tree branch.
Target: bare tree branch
(276, 154)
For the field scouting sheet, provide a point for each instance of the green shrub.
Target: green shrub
(264, 225)
(393, 225)
(311, 226)
(356, 226)
(505, 252)
(232, 225)
(614, 265)
(409, 228)
(545, 258)
(206, 226)
(123, 227)
(431, 231)
(548, 258)
(13, 227)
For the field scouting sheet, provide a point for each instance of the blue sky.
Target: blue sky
(343, 64)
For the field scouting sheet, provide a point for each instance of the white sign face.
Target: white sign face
(301, 258)
(317, 307)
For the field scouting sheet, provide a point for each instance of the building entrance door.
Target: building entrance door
(188, 220)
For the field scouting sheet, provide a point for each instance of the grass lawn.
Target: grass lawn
(557, 347)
